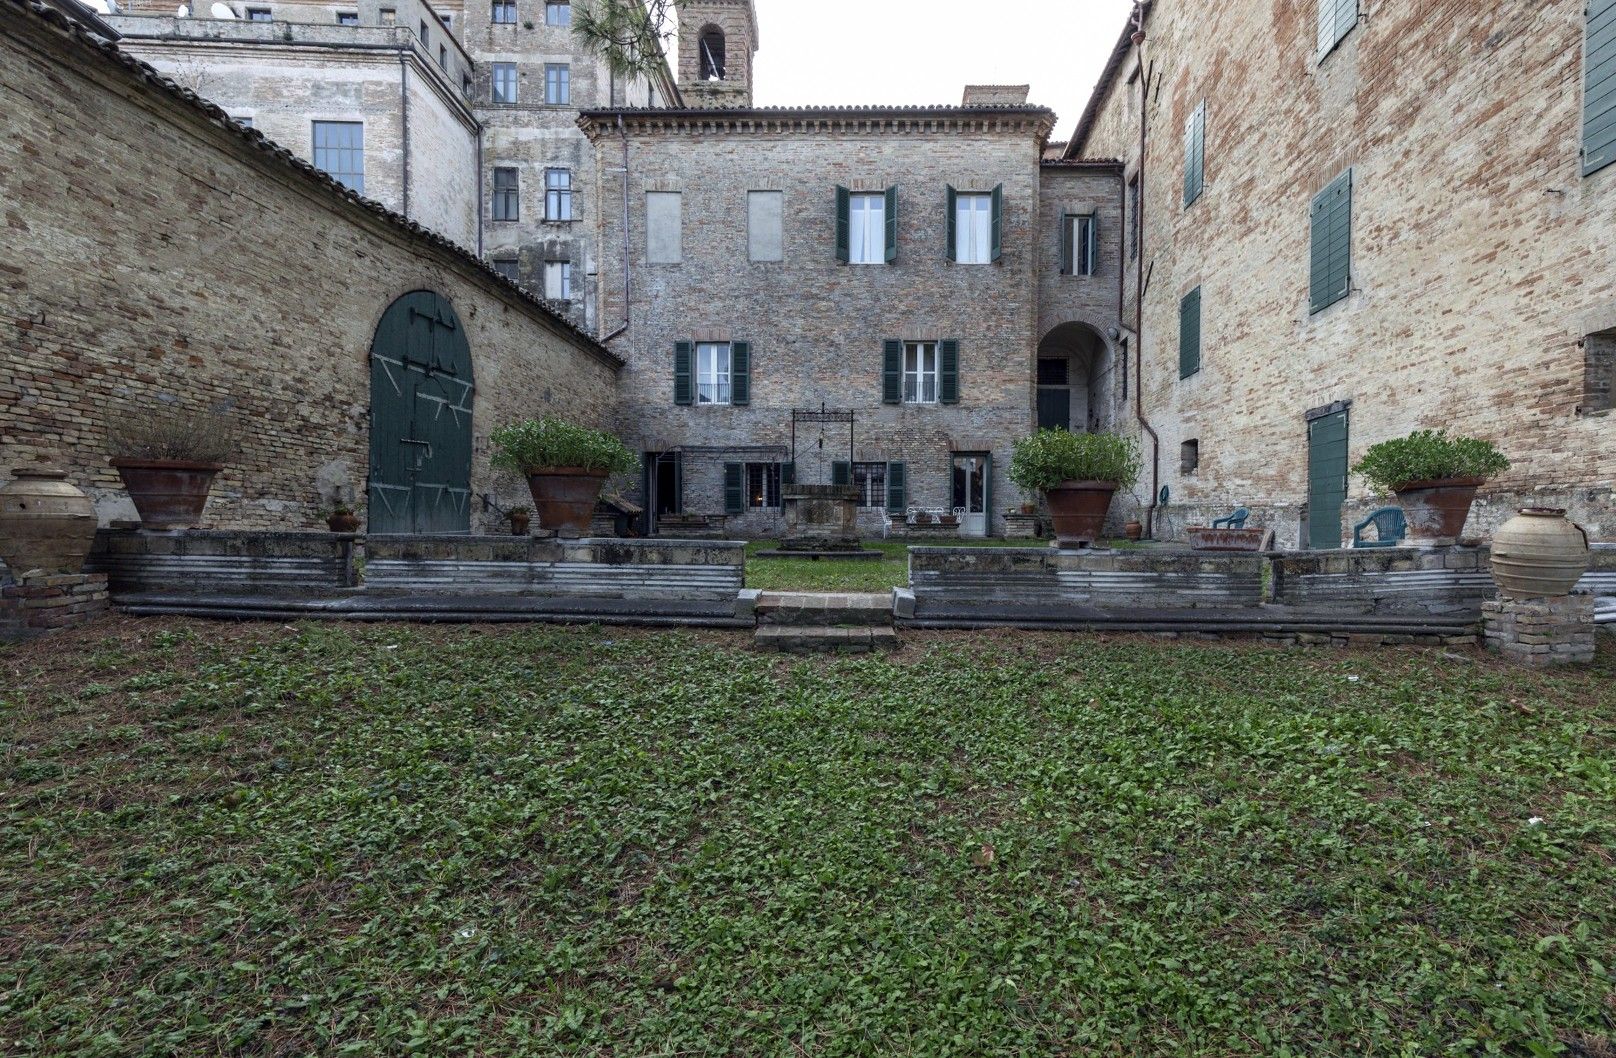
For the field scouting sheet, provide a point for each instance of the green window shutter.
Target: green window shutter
(1189, 334)
(684, 392)
(998, 221)
(843, 223)
(948, 371)
(788, 474)
(892, 371)
(897, 488)
(1599, 88)
(1195, 154)
(1067, 264)
(841, 472)
(952, 223)
(1091, 264)
(740, 373)
(734, 488)
(1330, 256)
(1336, 19)
(892, 224)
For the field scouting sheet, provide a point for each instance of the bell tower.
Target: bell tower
(717, 40)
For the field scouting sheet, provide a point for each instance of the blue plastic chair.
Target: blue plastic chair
(1390, 528)
(1237, 520)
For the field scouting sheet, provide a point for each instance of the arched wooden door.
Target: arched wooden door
(420, 419)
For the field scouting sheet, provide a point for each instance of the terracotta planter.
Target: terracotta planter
(1539, 553)
(519, 524)
(564, 498)
(45, 522)
(1205, 538)
(1133, 530)
(1078, 510)
(345, 522)
(168, 493)
(1437, 509)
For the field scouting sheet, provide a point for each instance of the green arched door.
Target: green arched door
(420, 419)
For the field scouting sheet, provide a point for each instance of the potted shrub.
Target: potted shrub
(342, 519)
(520, 517)
(1077, 473)
(565, 466)
(167, 459)
(1435, 478)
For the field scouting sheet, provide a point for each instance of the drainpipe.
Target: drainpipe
(404, 120)
(1139, 286)
(480, 199)
(622, 134)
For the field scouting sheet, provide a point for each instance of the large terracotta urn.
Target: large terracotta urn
(1077, 510)
(564, 498)
(1539, 553)
(167, 493)
(1436, 510)
(45, 522)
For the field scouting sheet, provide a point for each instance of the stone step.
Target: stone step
(798, 639)
(816, 609)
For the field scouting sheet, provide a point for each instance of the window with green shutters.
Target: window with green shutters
(866, 226)
(920, 372)
(1189, 334)
(897, 488)
(1331, 244)
(975, 225)
(1195, 155)
(841, 472)
(1336, 19)
(734, 488)
(1599, 88)
(740, 373)
(684, 389)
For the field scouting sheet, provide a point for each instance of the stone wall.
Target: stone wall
(173, 260)
(1480, 256)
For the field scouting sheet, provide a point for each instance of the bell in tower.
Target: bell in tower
(717, 39)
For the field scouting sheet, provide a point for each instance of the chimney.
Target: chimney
(977, 95)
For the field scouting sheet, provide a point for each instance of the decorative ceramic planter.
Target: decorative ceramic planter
(1078, 510)
(564, 498)
(1436, 510)
(1132, 529)
(345, 522)
(168, 493)
(519, 523)
(1205, 538)
(1539, 553)
(45, 522)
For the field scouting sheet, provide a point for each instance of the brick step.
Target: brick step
(799, 639)
(824, 609)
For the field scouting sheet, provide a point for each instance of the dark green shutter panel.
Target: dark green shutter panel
(1091, 263)
(892, 224)
(1336, 19)
(1195, 154)
(841, 472)
(788, 474)
(892, 372)
(1067, 264)
(734, 488)
(897, 488)
(1330, 265)
(683, 390)
(1326, 479)
(952, 224)
(1189, 334)
(998, 221)
(1599, 88)
(948, 371)
(843, 223)
(740, 373)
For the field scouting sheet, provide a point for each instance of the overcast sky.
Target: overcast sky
(925, 51)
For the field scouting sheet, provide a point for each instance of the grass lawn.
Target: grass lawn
(287, 840)
(891, 570)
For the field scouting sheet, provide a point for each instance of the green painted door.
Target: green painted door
(420, 419)
(1326, 478)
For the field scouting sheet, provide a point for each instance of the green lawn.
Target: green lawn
(892, 570)
(288, 840)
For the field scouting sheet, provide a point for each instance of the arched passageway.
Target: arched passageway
(1074, 379)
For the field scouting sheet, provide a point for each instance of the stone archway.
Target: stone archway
(1075, 379)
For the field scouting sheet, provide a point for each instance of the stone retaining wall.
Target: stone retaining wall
(1384, 580)
(45, 602)
(207, 560)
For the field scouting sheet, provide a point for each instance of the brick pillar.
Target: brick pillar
(1541, 632)
(43, 602)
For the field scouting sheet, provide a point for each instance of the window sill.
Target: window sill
(553, 220)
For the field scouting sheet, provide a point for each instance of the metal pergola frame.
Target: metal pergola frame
(823, 415)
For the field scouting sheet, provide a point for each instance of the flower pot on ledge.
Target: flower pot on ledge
(564, 498)
(1436, 509)
(167, 493)
(1078, 509)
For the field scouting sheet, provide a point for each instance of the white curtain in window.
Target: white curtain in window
(867, 233)
(712, 373)
(920, 373)
(973, 234)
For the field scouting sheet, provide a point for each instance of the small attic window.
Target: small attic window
(712, 54)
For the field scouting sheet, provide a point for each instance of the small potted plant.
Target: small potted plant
(519, 517)
(167, 458)
(342, 518)
(1078, 473)
(1435, 478)
(565, 466)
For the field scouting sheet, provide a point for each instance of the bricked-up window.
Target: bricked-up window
(558, 13)
(1599, 88)
(712, 372)
(870, 479)
(389, 16)
(1195, 155)
(558, 194)
(507, 203)
(506, 266)
(762, 485)
(504, 82)
(558, 280)
(1336, 19)
(867, 229)
(765, 226)
(1189, 334)
(504, 12)
(1331, 247)
(339, 150)
(259, 14)
(920, 370)
(664, 235)
(1080, 244)
(1599, 373)
(557, 84)
(347, 18)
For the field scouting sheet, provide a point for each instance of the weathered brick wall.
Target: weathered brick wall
(1480, 256)
(817, 326)
(167, 260)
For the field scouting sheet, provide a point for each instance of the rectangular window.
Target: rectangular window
(870, 479)
(504, 12)
(1189, 456)
(1195, 155)
(347, 18)
(712, 372)
(506, 266)
(1189, 334)
(664, 239)
(259, 14)
(1331, 244)
(867, 228)
(920, 373)
(1599, 88)
(558, 280)
(1336, 19)
(558, 194)
(422, 33)
(763, 484)
(339, 150)
(765, 225)
(558, 13)
(557, 83)
(389, 16)
(1599, 373)
(443, 57)
(1080, 244)
(504, 82)
(1134, 229)
(973, 228)
(507, 194)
